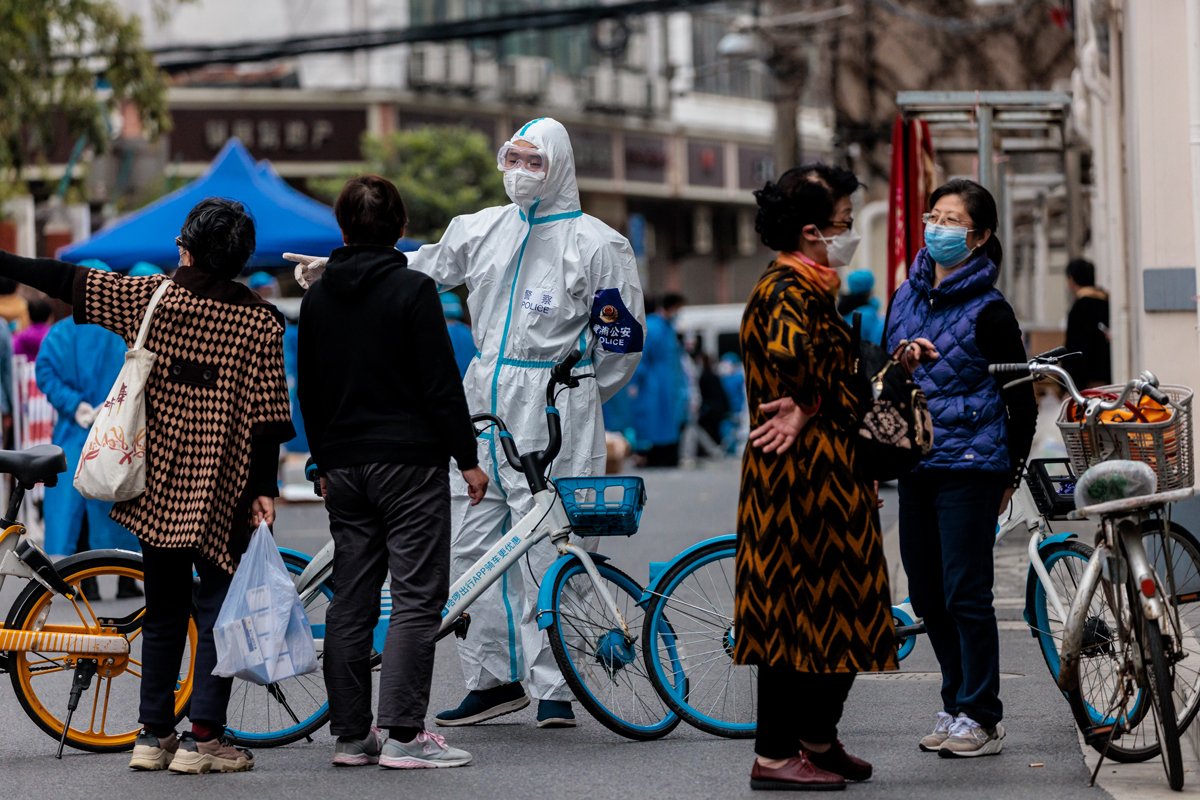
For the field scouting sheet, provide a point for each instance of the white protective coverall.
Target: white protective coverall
(543, 280)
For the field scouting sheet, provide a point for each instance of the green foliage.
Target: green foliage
(54, 53)
(441, 172)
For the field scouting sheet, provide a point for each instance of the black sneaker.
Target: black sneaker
(484, 704)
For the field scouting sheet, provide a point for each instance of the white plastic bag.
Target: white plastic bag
(112, 465)
(262, 633)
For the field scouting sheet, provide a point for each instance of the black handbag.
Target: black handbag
(896, 429)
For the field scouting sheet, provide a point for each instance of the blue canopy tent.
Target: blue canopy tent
(284, 219)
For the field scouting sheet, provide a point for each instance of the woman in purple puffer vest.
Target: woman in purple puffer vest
(982, 436)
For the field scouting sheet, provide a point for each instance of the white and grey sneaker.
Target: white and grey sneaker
(969, 739)
(357, 752)
(427, 750)
(931, 742)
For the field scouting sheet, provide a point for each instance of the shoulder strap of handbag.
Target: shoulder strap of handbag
(144, 331)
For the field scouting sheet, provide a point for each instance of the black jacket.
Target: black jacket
(378, 381)
(1087, 333)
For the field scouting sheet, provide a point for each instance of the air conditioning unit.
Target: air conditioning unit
(525, 78)
(459, 66)
(427, 66)
(608, 89)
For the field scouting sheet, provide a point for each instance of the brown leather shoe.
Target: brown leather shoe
(839, 762)
(796, 775)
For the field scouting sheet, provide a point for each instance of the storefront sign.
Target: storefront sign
(645, 158)
(280, 134)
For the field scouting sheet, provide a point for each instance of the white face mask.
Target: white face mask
(841, 247)
(524, 187)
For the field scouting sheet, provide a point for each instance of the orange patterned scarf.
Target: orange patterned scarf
(824, 277)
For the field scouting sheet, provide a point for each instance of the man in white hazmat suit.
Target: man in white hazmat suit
(543, 279)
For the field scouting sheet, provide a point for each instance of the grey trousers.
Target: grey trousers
(385, 518)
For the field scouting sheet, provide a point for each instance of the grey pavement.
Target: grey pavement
(885, 716)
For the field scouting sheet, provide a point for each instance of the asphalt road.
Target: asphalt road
(885, 716)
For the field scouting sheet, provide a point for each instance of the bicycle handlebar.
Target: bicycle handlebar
(1145, 384)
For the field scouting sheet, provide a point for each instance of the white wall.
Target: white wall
(1159, 218)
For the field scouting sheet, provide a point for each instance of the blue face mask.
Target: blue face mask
(947, 245)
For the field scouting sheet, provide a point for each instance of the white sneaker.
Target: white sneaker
(425, 751)
(931, 742)
(969, 739)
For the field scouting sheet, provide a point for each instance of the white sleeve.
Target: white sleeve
(617, 324)
(446, 261)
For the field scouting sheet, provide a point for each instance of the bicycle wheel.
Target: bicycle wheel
(292, 709)
(1100, 667)
(106, 719)
(1179, 559)
(688, 645)
(599, 661)
(1158, 678)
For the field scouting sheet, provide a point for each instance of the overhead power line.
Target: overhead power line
(180, 57)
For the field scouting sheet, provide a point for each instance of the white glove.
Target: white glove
(85, 415)
(308, 268)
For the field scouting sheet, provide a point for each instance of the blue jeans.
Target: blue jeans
(947, 533)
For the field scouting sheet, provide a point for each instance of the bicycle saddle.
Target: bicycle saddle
(41, 464)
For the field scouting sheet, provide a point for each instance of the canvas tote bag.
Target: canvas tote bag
(112, 466)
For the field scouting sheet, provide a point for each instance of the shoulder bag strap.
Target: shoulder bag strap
(144, 331)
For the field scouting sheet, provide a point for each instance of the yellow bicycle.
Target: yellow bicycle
(75, 663)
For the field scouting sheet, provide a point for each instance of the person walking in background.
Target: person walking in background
(76, 368)
(858, 299)
(811, 603)
(460, 332)
(1087, 328)
(265, 284)
(982, 436)
(13, 307)
(385, 411)
(714, 402)
(142, 269)
(28, 340)
(219, 409)
(662, 390)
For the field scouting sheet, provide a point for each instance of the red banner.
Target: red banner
(911, 182)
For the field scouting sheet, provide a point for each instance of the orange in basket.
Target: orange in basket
(1146, 411)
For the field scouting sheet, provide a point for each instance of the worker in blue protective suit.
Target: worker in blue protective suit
(76, 367)
(858, 300)
(460, 332)
(662, 393)
(143, 268)
(543, 279)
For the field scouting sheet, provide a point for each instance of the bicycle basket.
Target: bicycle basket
(607, 506)
(1165, 446)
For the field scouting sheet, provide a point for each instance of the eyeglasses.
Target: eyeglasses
(929, 218)
(844, 224)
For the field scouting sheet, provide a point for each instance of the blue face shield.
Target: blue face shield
(947, 245)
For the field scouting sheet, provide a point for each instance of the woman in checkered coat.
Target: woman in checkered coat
(217, 412)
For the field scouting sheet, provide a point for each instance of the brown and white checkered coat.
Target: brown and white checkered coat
(218, 380)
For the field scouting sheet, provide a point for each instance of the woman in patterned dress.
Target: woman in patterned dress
(218, 409)
(812, 606)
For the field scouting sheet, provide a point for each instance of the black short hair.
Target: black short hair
(39, 310)
(219, 234)
(672, 300)
(8, 286)
(982, 208)
(370, 210)
(803, 196)
(1082, 271)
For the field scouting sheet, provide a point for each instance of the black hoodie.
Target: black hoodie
(378, 381)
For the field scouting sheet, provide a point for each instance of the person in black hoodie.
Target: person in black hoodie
(385, 412)
(1087, 328)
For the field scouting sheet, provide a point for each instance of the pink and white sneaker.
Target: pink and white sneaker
(426, 751)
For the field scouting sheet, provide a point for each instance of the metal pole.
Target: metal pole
(987, 167)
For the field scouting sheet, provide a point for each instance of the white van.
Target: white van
(714, 327)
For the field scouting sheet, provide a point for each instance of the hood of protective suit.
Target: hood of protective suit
(560, 192)
(355, 269)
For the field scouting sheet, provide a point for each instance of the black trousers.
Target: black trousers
(385, 519)
(169, 598)
(795, 706)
